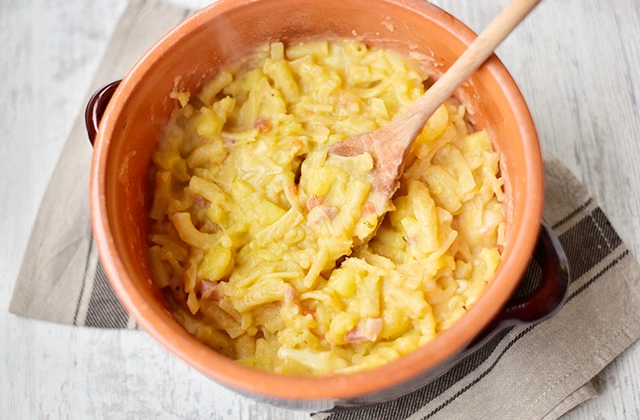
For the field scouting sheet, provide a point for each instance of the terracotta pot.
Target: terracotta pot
(228, 31)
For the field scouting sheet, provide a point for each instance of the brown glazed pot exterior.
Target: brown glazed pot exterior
(230, 30)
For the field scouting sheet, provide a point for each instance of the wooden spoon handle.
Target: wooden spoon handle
(477, 53)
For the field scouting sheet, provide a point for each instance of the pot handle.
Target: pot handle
(544, 301)
(96, 107)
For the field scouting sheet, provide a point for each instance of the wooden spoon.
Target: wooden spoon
(390, 145)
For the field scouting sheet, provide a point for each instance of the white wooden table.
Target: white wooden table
(576, 61)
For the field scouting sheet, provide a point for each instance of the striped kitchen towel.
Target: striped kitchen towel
(532, 372)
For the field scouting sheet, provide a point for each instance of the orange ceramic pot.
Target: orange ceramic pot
(229, 30)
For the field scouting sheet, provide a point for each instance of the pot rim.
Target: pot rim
(152, 318)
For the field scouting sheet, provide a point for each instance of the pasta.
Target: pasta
(253, 223)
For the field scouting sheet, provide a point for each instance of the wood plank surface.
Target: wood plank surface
(576, 61)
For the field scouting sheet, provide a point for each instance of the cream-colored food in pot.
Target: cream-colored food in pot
(251, 219)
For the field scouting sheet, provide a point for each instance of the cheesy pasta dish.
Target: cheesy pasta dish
(254, 224)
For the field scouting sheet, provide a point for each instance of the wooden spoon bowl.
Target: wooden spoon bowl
(389, 146)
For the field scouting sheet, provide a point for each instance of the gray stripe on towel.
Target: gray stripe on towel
(105, 310)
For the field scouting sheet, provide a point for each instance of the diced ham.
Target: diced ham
(176, 286)
(314, 201)
(177, 282)
(263, 125)
(368, 208)
(290, 296)
(366, 330)
(315, 217)
(200, 201)
(209, 290)
(322, 213)
(331, 211)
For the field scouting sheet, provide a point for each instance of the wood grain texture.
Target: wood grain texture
(576, 61)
